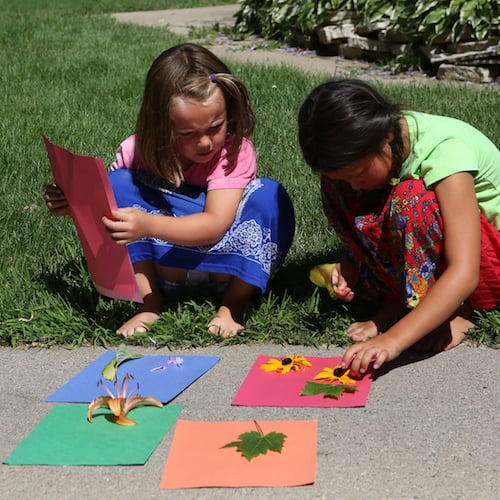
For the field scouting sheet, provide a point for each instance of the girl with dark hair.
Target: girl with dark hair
(190, 206)
(416, 199)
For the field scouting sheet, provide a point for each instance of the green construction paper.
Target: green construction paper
(65, 437)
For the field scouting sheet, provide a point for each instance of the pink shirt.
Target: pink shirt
(219, 173)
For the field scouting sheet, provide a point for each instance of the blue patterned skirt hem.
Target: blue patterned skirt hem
(254, 247)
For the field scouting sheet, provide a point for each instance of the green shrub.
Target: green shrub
(294, 21)
(290, 21)
(453, 21)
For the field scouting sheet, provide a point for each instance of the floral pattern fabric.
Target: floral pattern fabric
(394, 236)
(253, 248)
(396, 239)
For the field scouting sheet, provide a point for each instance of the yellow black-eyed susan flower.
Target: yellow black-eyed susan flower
(337, 373)
(286, 364)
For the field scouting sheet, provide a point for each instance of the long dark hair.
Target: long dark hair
(342, 121)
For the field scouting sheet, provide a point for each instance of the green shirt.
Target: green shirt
(442, 146)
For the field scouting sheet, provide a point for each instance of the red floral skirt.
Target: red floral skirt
(396, 238)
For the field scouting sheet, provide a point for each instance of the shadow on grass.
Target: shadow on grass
(292, 311)
(70, 284)
(293, 280)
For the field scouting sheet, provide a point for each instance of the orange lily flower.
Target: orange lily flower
(122, 403)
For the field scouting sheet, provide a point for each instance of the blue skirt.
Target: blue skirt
(254, 247)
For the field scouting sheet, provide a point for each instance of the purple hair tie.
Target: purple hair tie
(213, 77)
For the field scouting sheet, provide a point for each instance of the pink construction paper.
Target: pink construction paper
(86, 186)
(262, 388)
(197, 459)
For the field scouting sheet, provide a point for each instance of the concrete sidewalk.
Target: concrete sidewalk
(429, 429)
(180, 21)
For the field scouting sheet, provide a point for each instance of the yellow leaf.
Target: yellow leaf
(109, 371)
(322, 276)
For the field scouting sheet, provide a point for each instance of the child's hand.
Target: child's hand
(378, 349)
(55, 200)
(362, 330)
(340, 284)
(129, 225)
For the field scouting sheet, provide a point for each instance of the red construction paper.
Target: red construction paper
(262, 388)
(196, 459)
(86, 186)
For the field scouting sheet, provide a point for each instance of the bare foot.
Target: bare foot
(138, 323)
(450, 334)
(230, 317)
(362, 331)
(149, 311)
(459, 327)
(224, 324)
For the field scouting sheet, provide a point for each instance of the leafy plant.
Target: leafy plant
(453, 21)
(295, 21)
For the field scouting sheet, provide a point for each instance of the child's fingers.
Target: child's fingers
(380, 360)
(340, 286)
(359, 357)
(112, 227)
(367, 357)
(118, 230)
(59, 211)
(53, 192)
(53, 197)
(344, 293)
(349, 356)
(338, 278)
(57, 205)
(107, 222)
(52, 188)
(335, 275)
(117, 217)
(55, 200)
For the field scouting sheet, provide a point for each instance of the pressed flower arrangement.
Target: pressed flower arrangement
(332, 382)
(123, 402)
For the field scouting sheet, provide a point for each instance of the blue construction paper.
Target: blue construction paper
(65, 437)
(162, 384)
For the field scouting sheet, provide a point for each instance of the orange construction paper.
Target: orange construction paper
(86, 186)
(196, 459)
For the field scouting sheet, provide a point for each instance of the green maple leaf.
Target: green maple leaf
(330, 390)
(253, 443)
(122, 354)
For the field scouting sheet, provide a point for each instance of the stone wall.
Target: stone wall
(477, 62)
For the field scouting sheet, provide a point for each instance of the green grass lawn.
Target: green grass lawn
(77, 76)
